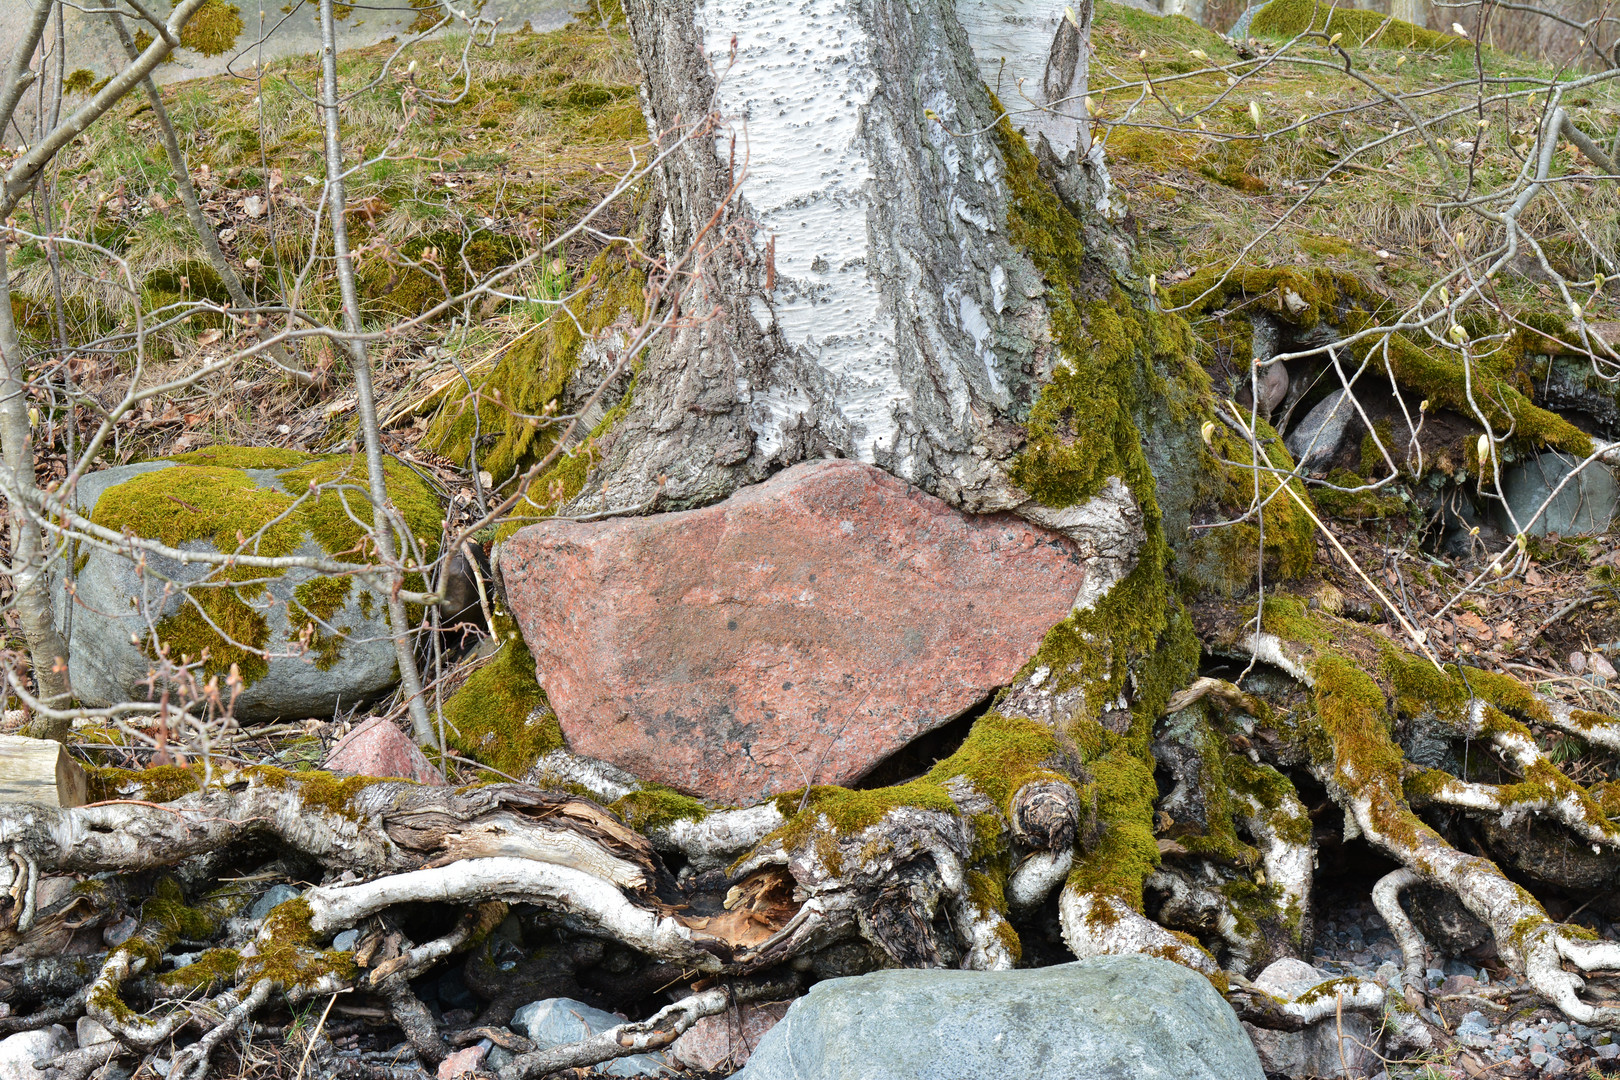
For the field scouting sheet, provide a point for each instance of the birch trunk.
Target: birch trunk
(866, 301)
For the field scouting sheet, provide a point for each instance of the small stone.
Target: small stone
(1316, 440)
(1577, 663)
(727, 1040)
(499, 1058)
(115, 934)
(89, 1033)
(273, 897)
(20, 1052)
(1474, 1030)
(1608, 1051)
(378, 748)
(346, 941)
(1554, 1066)
(464, 1061)
(559, 1021)
(1601, 668)
(1457, 984)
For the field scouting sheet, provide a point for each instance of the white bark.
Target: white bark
(861, 297)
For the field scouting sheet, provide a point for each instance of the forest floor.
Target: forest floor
(542, 124)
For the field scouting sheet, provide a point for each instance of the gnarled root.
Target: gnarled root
(1349, 750)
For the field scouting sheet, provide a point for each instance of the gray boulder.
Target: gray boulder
(1240, 28)
(1106, 1018)
(1317, 439)
(20, 1053)
(200, 502)
(559, 1021)
(1586, 505)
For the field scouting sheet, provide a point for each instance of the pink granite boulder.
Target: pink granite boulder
(378, 748)
(800, 631)
(726, 1040)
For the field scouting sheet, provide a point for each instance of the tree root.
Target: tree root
(1362, 769)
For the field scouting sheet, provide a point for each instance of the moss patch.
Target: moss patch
(499, 716)
(1286, 18)
(510, 408)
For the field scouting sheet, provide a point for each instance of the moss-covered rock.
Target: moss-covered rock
(302, 643)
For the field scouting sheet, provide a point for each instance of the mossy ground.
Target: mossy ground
(1203, 182)
(466, 187)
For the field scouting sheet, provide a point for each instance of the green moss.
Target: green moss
(159, 784)
(656, 806)
(499, 716)
(79, 81)
(287, 954)
(1127, 851)
(508, 405)
(213, 29)
(320, 790)
(401, 289)
(214, 969)
(242, 457)
(1290, 534)
(1286, 18)
(846, 812)
(321, 598)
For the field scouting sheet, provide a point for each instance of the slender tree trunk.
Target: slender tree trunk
(29, 554)
(383, 517)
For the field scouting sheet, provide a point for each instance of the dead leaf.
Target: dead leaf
(1533, 576)
(208, 337)
(1473, 624)
(192, 419)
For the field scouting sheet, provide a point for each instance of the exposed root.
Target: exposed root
(1097, 925)
(654, 1033)
(192, 1062)
(1386, 898)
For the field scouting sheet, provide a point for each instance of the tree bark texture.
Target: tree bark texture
(862, 297)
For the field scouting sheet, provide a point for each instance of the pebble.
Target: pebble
(273, 897)
(1355, 941)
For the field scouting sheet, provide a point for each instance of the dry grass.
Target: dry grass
(1200, 196)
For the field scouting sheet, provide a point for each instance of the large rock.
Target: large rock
(1586, 505)
(20, 1053)
(1339, 1046)
(803, 629)
(203, 501)
(1106, 1018)
(1317, 439)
